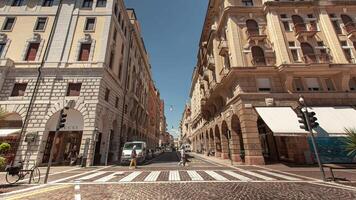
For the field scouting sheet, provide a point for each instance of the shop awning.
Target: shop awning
(332, 120)
(9, 132)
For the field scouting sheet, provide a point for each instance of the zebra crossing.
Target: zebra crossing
(239, 175)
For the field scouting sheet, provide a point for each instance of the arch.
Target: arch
(217, 140)
(258, 55)
(346, 19)
(74, 121)
(308, 52)
(252, 27)
(238, 153)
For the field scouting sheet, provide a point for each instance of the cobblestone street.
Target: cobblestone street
(162, 178)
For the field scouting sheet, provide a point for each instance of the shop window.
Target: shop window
(298, 84)
(107, 94)
(101, 3)
(41, 24)
(90, 24)
(74, 89)
(87, 4)
(263, 84)
(313, 84)
(17, 3)
(9, 24)
(84, 52)
(352, 84)
(32, 51)
(47, 3)
(19, 89)
(329, 84)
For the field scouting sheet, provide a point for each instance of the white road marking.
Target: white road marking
(266, 178)
(108, 177)
(174, 176)
(131, 176)
(280, 175)
(236, 175)
(77, 175)
(194, 176)
(216, 176)
(153, 176)
(91, 175)
(77, 197)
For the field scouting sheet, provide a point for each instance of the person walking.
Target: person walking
(182, 156)
(133, 158)
(73, 156)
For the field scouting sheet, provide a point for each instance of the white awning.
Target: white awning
(281, 120)
(9, 132)
(332, 120)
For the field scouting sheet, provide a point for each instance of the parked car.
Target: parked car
(141, 151)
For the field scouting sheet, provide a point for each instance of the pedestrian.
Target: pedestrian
(73, 156)
(133, 158)
(182, 156)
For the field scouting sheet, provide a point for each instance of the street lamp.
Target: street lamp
(310, 129)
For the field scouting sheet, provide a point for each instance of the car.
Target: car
(141, 151)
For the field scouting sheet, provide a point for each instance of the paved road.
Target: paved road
(164, 179)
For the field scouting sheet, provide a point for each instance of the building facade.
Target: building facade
(260, 55)
(88, 54)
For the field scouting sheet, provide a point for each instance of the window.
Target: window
(347, 51)
(226, 62)
(40, 24)
(258, 56)
(286, 26)
(352, 84)
(252, 27)
(313, 84)
(101, 3)
(111, 62)
(2, 47)
(247, 2)
(294, 51)
(17, 3)
(87, 3)
(117, 102)
(107, 94)
(329, 84)
(283, 16)
(308, 53)
(47, 3)
(263, 84)
(9, 23)
(298, 84)
(74, 89)
(90, 24)
(32, 51)
(320, 44)
(332, 15)
(19, 89)
(336, 26)
(310, 16)
(84, 52)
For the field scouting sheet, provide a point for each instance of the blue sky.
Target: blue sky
(171, 31)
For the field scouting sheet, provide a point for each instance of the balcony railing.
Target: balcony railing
(254, 34)
(316, 58)
(302, 30)
(350, 28)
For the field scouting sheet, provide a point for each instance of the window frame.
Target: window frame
(89, 7)
(28, 51)
(332, 84)
(14, 86)
(263, 89)
(81, 49)
(313, 89)
(5, 22)
(68, 94)
(97, 2)
(86, 24)
(3, 49)
(36, 24)
(301, 84)
(44, 3)
(20, 1)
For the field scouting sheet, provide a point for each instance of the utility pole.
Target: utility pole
(308, 121)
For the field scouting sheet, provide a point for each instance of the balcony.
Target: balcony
(254, 35)
(263, 61)
(301, 30)
(317, 58)
(223, 48)
(350, 29)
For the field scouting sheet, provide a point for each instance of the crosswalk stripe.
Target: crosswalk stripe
(174, 176)
(216, 176)
(236, 175)
(91, 175)
(280, 175)
(194, 175)
(266, 178)
(153, 176)
(131, 176)
(108, 177)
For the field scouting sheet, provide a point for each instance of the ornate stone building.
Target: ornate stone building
(255, 58)
(89, 53)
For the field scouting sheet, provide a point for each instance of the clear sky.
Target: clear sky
(171, 30)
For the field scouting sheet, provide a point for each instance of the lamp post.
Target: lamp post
(315, 148)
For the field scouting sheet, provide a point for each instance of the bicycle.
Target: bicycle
(15, 173)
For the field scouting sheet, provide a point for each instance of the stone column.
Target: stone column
(235, 146)
(216, 143)
(253, 150)
(224, 144)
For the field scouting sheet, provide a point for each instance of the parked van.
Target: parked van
(141, 151)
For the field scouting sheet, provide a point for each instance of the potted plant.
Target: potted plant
(351, 141)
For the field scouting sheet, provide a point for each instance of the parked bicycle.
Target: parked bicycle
(15, 173)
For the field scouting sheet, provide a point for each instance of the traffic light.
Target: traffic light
(62, 120)
(312, 120)
(302, 120)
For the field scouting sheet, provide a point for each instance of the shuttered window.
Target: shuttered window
(74, 89)
(84, 52)
(32, 51)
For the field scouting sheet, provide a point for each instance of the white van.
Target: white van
(141, 151)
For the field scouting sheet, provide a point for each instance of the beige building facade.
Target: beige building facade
(256, 54)
(86, 53)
